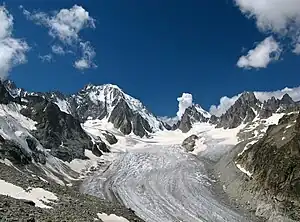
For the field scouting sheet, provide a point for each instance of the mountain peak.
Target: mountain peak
(202, 111)
(247, 98)
(286, 99)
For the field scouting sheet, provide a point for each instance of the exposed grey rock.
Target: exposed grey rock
(185, 123)
(5, 96)
(140, 126)
(56, 130)
(166, 126)
(175, 126)
(189, 143)
(214, 120)
(121, 117)
(14, 152)
(269, 107)
(190, 116)
(110, 137)
(242, 111)
(37, 155)
(274, 162)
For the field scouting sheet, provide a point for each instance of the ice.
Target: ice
(161, 183)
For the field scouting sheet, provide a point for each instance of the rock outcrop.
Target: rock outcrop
(189, 143)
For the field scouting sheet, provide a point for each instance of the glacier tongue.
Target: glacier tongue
(161, 184)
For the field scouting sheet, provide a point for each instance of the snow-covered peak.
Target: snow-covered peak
(202, 111)
(108, 96)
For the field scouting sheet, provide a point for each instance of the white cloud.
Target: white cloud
(12, 51)
(57, 49)
(185, 101)
(46, 58)
(280, 17)
(260, 57)
(88, 54)
(227, 102)
(66, 25)
(81, 64)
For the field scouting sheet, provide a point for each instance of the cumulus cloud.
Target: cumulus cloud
(88, 54)
(282, 18)
(65, 25)
(46, 58)
(185, 101)
(273, 15)
(260, 57)
(57, 49)
(227, 102)
(12, 50)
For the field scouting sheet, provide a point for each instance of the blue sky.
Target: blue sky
(154, 50)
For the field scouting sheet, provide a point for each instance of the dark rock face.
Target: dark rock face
(275, 163)
(99, 147)
(185, 123)
(127, 121)
(269, 107)
(214, 120)
(111, 139)
(189, 143)
(56, 130)
(37, 155)
(190, 116)
(273, 105)
(5, 96)
(140, 126)
(14, 152)
(243, 110)
(121, 117)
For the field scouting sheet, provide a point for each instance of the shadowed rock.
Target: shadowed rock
(189, 143)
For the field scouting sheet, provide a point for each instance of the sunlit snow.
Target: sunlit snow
(38, 195)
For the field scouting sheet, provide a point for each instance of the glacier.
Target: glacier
(162, 183)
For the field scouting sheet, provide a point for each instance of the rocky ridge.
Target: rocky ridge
(243, 111)
(105, 102)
